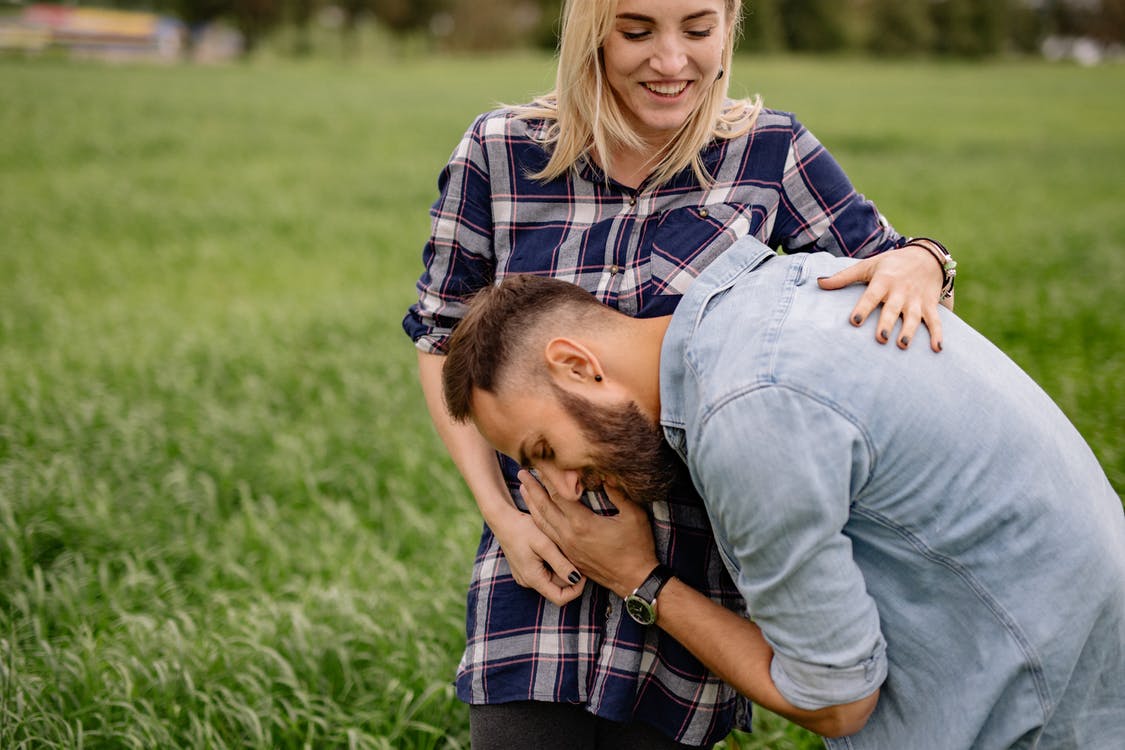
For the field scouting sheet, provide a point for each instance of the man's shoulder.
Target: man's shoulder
(755, 327)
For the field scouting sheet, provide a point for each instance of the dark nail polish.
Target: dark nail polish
(905, 340)
(857, 319)
(939, 346)
(884, 335)
(574, 577)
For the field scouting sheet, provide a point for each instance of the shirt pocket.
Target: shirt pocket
(680, 243)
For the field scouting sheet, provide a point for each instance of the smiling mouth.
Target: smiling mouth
(670, 90)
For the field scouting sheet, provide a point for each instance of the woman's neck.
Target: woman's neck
(631, 168)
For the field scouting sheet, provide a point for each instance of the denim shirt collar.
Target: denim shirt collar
(740, 258)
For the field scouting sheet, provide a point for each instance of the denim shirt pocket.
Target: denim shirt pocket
(680, 243)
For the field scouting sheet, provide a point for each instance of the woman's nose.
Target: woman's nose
(668, 56)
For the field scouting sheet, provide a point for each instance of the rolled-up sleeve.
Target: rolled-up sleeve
(778, 468)
(458, 256)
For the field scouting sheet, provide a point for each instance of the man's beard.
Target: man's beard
(626, 448)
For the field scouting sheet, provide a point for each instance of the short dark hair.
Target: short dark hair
(490, 336)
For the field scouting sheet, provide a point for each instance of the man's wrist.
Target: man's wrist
(628, 582)
(641, 603)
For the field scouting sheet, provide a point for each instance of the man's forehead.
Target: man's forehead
(515, 424)
(500, 423)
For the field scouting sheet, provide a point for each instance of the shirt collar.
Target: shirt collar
(712, 156)
(739, 259)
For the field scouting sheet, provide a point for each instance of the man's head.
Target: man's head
(531, 364)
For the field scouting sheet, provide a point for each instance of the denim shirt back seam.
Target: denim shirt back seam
(793, 279)
(1034, 662)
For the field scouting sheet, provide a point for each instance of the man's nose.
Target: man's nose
(567, 484)
(668, 55)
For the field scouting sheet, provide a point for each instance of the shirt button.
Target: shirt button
(632, 200)
(608, 611)
(703, 212)
(613, 270)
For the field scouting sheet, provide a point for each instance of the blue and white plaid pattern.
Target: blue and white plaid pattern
(638, 251)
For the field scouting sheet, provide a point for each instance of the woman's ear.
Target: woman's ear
(569, 361)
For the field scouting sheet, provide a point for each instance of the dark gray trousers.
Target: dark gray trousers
(558, 726)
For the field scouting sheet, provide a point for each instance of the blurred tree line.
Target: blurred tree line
(963, 28)
(967, 28)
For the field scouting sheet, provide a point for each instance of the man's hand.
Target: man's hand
(906, 282)
(535, 561)
(616, 551)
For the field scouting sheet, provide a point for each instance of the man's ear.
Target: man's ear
(568, 361)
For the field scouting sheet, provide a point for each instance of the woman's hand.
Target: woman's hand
(536, 562)
(616, 551)
(907, 282)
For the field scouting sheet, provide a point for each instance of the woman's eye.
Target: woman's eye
(700, 33)
(633, 36)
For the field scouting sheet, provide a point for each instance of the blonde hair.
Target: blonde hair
(584, 117)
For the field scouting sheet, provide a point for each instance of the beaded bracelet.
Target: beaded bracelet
(944, 259)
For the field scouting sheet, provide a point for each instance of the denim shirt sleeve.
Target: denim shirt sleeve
(777, 467)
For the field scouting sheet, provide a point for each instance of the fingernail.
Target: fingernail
(821, 278)
(905, 340)
(884, 335)
(574, 577)
(939, 346)
(857, 319)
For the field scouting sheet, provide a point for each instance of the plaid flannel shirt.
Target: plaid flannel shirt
(637, 250)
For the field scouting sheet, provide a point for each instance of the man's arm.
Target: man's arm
(618, 552)
(735, 650)
(779, 467)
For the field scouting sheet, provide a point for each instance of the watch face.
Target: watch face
(640, 610)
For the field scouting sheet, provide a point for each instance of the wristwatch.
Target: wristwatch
(641, 604)
(944, 259)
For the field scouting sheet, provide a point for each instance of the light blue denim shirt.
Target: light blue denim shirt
(929, 523)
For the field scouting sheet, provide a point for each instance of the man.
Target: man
(929, 552)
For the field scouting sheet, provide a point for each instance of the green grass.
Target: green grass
(224, 518)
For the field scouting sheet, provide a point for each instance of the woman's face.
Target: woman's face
(661, 58)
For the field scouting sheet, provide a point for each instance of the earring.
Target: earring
(597, 378)
(720, 76)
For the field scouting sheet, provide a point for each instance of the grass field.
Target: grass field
(224, 518)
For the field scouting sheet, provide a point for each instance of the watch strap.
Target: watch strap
(656, 580)
(645, 595)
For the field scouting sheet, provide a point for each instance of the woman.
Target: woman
(628, 179)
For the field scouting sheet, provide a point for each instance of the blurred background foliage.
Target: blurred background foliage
(961, 28)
